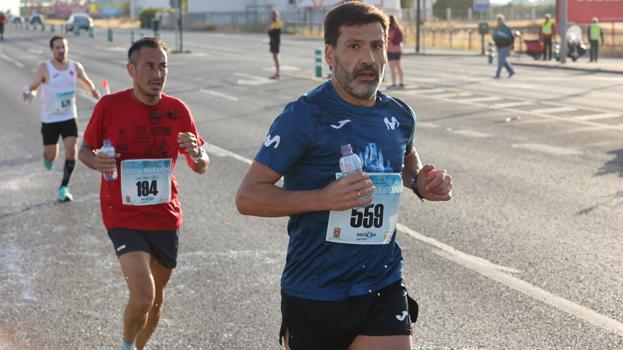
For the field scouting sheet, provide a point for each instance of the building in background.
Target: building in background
(279, 5)
(10, 6)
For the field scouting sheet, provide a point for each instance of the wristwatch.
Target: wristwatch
(202, 153)
(412, 184)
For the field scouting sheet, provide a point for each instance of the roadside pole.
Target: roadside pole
(562, 11)
(418, 17)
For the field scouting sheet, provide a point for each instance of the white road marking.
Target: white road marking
(598, 116)
(482, 99)
(431, 91)
(253, 80)
(551, 110)
(557, 151)
(470, 133)
(511, 104)
(453, 95)
(488, 269)
(221, 152)
(484, 263)
(427, 125)
(219, 94)
(9, 59)
(116, 48)
(282, 69)
(540, 294)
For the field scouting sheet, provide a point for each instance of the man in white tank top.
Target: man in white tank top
(58, 79)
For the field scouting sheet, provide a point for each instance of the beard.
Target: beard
(363, 90)
(60, 58)
(146, 90)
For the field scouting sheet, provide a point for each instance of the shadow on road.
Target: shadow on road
(613, 166)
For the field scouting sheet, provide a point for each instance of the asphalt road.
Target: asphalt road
(527, 255)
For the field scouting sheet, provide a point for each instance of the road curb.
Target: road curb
(594, 70)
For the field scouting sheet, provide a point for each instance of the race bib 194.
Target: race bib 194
(372, 224)
(145, 181)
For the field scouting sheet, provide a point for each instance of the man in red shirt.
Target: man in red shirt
(2, 22)
(140, 208)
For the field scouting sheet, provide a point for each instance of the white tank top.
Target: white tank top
(58, 94)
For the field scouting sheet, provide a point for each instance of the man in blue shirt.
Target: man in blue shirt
(342, 283)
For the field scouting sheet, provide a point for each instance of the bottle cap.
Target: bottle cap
(346, 149)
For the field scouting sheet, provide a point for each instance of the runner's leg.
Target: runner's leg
(71, 149)
(394, 342)
(161, 276)
(50, 152)
(135, 266)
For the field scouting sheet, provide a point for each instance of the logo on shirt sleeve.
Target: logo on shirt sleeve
(272, 140)
(391, 125)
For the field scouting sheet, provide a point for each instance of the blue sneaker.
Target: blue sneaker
(47, 164)
(126, 346)
(64, 195)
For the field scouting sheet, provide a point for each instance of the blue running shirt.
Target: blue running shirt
(303, 145)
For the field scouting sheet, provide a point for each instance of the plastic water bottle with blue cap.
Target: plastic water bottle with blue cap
(350, 162)
(109, 150)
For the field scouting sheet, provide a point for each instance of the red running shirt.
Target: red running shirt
(139, 131)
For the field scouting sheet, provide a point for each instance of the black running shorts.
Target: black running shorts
(51, 131)
(393, 56)
(274, 46)
(161, 244)
(333, 325)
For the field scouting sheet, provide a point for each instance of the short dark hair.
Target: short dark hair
(150, 42)
(54, 38)
(351, 13)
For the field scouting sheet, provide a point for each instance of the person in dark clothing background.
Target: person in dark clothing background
(503, 38)
(274, 33)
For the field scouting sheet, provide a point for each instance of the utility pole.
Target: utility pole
(132, 9)
(179, 23)
(418, 16)
(563, 30)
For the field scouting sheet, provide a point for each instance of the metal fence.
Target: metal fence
(434, 33)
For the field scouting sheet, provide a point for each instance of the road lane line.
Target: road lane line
(482, 99)
(253, 80)
(489, 269)
(221, 152)
(9, 59)
(219, 94)
(557, 151)
(511, 104)
(542, 295)
(470, 133)
(551, 110)
(598, 116)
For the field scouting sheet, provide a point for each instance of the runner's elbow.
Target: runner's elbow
(243, 202)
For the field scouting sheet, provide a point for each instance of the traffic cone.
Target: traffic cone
(106, 87)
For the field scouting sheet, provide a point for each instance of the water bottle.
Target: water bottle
(350, 163)
(27, 93)
(109, 150)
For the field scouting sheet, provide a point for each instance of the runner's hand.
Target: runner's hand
(188, 142)
(349, 192)
(95, 93)
(434, 184)
(104, 163)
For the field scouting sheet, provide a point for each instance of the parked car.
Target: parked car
(80, 20)
(36, 20)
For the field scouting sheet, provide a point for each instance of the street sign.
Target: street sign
(481, 5)
(483, 28)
